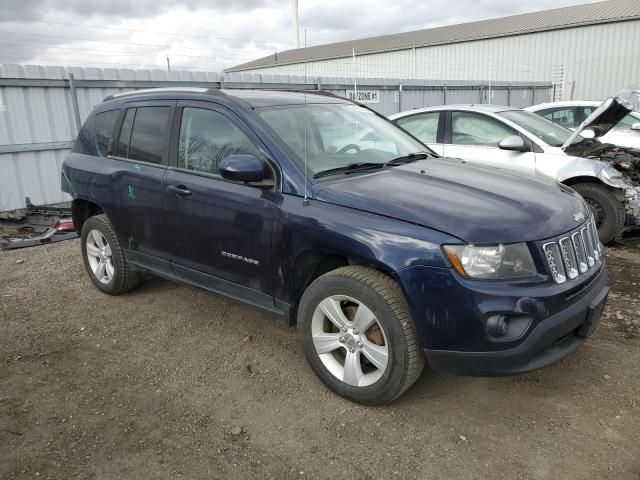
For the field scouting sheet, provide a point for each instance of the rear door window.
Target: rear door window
(424, 126)
(105, 122)
(148, 134)
(469, 128)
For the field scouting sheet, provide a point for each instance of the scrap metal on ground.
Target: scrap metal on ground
(36, 225)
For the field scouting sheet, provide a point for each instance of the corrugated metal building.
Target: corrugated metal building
(589, 51)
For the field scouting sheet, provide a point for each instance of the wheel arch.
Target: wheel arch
(81, 210)
(617, 191)
(311, 264)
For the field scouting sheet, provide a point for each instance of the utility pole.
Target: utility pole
(168, 64)
(296, 28)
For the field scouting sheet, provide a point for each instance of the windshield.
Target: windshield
(338, 135)
(547, 131)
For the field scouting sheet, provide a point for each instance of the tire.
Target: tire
(607, 209)
(348, 290)
(109, 273)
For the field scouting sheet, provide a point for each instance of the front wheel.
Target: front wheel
(607, 210)
(358, 336)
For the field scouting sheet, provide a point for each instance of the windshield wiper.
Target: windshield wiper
(351, 168)
(412, 157)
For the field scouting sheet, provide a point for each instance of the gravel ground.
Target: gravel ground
(170, 382)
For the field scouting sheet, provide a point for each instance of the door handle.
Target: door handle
(179, 190)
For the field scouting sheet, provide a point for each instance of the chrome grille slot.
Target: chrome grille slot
(581, 254)
(588, 245)
(554, 260)
(595, 239)
(571, 256)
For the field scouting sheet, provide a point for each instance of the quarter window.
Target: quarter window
(474, 129)
(423, 126)
(105, 122)
(206, 138)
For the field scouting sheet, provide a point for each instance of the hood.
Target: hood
(607, 115)
(476, 204)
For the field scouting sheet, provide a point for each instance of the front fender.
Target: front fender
(385, 243)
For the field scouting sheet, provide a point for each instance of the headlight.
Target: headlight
(492, 262)
(613, 177)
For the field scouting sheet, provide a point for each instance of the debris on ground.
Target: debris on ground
(36, 225)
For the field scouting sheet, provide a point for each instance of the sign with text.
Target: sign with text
(364, 96)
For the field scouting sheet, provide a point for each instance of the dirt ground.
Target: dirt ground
(170, 382)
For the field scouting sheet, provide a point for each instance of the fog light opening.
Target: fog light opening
(497, 325)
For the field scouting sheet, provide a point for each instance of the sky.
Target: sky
(211, 35)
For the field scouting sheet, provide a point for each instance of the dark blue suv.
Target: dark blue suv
(324, 213)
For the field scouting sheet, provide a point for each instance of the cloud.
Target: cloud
(213, 34)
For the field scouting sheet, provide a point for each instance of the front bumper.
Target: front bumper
(549, 341)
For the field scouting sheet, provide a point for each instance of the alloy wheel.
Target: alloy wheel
(99, 256)
(349, 340)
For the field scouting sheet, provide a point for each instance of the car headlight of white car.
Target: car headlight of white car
(614, 178)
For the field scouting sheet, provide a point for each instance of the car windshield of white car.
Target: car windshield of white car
(334, 136)
(547, 131)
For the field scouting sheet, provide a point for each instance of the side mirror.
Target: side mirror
(635, 126)
(589, 134)
(514, 144)
(242, 168)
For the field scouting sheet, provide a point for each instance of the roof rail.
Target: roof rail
(157, 90)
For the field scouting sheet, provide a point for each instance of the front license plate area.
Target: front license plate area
(593, 318)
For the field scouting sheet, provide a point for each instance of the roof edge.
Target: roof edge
(247, 66)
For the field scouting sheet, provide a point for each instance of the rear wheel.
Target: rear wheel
(607, 210)
(104, 259)
(358, 336)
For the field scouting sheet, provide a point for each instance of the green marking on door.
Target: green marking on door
(132, 193)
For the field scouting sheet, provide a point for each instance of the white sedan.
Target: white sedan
(510, 138)
(571, 114)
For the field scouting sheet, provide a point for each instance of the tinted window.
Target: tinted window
(148, 134)
(125, 134)
(561, 116)
(423, 126)
(208, 137)
(474, 129)
(104, 129)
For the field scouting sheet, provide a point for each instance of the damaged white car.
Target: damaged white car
(607, 176)
(572, 113)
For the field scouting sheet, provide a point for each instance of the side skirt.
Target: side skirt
(211, 284)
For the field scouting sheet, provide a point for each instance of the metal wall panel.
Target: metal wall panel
(593, 61)
(37, 121)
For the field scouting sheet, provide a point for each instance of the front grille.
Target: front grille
(575, 254)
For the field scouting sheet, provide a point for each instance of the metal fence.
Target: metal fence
(42, 109)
